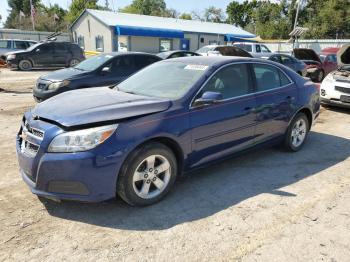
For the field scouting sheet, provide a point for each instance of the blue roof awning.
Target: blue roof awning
(148, 31)
(238, 38)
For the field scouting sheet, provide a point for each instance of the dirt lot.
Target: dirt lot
(264, 206)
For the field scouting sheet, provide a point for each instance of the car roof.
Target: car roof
(25, 40)
(128, 53)
(215, 60)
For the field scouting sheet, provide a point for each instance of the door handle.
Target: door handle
(290, 98)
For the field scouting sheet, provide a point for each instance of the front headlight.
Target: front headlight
(81, 140)
(11, 56)
(56, 85)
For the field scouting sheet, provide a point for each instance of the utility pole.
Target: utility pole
(297, 15)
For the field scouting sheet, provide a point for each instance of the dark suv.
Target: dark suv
(46, 54)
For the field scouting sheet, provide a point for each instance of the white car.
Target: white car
(222, 50)
(335, 88)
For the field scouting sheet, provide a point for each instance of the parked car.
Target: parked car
(176, 54)
(291, 62)
(255, 49)
(101, 70)
(316, 69)
(335, 88)
(329, 58)
(173, 116)
(222, 50)
(46, 54)
(10, 45)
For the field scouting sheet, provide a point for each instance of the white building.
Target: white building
(106, 31)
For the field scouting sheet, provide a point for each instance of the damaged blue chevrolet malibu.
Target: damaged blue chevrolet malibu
(133, 140)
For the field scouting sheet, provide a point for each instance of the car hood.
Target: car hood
(17, 52)
(96, 105)
(306, 54)
(62, 74)
(343, 55)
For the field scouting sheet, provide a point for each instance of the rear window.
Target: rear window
(205, 49)
(5, 44)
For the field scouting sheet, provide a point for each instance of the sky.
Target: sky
(179, 5)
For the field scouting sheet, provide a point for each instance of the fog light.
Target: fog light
(323, 92)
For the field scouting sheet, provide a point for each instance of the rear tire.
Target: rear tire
(147, 175)
(297, 133)
(73, 62)
(25, 65)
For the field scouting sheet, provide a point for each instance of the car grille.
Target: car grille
(342, 89)
(29, 147)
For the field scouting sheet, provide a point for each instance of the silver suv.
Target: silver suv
(9, 45)
(255, 49)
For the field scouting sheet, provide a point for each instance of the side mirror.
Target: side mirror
(105, 70)
(208, 98)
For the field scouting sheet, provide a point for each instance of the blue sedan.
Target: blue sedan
(173, 116)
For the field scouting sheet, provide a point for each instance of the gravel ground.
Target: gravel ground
(269, 205)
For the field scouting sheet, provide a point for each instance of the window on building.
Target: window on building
(165, 45)
(99, 43)
(202, 39)
(81, 42)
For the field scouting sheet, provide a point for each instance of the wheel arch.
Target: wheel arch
(306, 111)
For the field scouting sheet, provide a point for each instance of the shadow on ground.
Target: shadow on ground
(211, 190)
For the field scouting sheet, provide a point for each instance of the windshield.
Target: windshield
(93, 62)
(175, 81)
(32, 47)
(323, 57)
(205, 49)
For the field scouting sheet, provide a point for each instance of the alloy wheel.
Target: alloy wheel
(299, 132)
(151, 176)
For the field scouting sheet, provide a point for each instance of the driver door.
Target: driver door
(228, 125)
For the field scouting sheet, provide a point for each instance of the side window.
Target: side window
(269, 77)
(275, 59)
(175, 55)
(258, 49)
(265, 49)
(332, 58)
(20, 45)
(5, 44)
(286, 60)
(143, 61)
(122, 66)
(231, 81)
(60, 48)
(46, 48)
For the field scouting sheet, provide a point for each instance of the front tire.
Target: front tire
(25, 65)
(147, 175)
(320, 76)
(297, 133)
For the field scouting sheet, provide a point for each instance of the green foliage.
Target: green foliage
(213, 14)
(78, 6)
(146, 7)
(185, 16)
(275, 19)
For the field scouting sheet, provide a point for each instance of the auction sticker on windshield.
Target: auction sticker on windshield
(196, 67)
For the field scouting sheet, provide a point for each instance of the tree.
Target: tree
(16, 6)
(78, 6)
(146, 7)
(185, 16)
(213, 14)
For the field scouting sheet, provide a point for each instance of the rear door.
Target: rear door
(61, 54)
(276, 97)
(227, 126)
